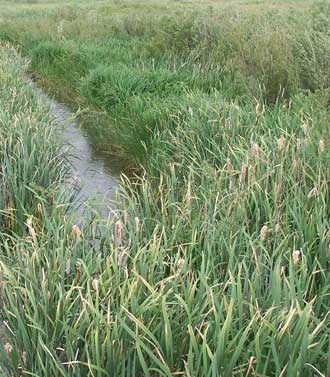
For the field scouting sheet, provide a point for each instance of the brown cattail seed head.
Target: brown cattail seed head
(24, 358)
(281, 142)
(229, 166)
(32, 232)
(68, 266)
(8, 348)
(244, 173)
(296, 256)
(118, 233)
(263, 233)
(255, 150)
(76, 232)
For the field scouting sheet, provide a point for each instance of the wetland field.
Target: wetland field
(165, 188)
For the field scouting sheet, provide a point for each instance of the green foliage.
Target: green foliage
(113, 59)
(53, 59)
(215, 261)
(31, 162)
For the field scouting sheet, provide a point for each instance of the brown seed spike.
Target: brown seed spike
(24, 358)
(281, 142)
(76, 232)
(118, 233)
(244, 174)
(296, 256)
(263, 233)
(255, 150)
(8, 348)
(229, 166)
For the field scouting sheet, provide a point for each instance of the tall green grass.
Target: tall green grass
(137, 63)
(215, 264)
(31, 159)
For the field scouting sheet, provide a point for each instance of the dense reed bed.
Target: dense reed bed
(216, 262)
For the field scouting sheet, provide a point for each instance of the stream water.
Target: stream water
(93, 173)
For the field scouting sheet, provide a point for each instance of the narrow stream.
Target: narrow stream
(94, 173)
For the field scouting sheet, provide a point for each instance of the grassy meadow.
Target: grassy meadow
(216, 262)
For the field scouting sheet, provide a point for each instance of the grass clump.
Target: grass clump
(31, 162)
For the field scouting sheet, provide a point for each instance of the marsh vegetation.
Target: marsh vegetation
(216, 261)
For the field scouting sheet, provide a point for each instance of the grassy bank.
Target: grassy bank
(217, 262)
(132, 67)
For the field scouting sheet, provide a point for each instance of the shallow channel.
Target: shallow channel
(93, 173)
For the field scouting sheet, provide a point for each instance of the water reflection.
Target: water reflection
(94, 173)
